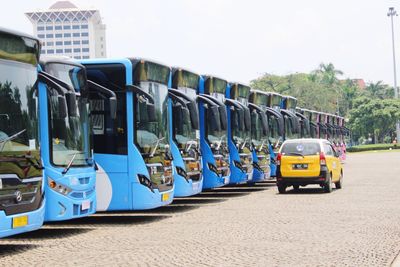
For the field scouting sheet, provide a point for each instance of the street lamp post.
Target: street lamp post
(391, 14)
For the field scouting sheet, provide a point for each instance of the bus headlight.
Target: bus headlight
(62, 189)
(212, 168)
(145, 181)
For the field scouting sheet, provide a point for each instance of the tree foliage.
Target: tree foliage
(371, 110)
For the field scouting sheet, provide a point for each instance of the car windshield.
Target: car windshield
(69, 136)
(301, 148)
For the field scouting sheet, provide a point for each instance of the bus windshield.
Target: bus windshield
(258, 139)
(69, 137)
(185, 134)
(152, 136)
(19, 143)
(274, 136)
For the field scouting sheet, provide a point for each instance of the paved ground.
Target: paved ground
(238, 226)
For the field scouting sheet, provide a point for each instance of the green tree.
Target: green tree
(379, 90)
(374, 117)
(327, 73)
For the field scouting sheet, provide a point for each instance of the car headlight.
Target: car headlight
(62, 189)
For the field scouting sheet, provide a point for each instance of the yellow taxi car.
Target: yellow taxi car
(301, 162)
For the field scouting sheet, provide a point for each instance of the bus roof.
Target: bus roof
(17, 33)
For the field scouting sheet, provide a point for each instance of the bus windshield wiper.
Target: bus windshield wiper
(155, 148)
(220, 142)
(66, 169)
(12, 137)
(244, 142)
(262, 145)
(190, 143)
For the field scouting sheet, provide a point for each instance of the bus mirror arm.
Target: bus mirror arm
(51, 81)
(201, 97)
(233, 103)
(180, 94)
(112, 97)
(177, 98)
(137, 90)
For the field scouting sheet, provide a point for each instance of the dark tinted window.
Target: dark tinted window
(304, 148)
(328, 150)
(110, 136)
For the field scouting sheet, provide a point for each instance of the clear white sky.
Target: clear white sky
(241, 40)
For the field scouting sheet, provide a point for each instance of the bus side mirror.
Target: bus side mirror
(214, 117)
(113, 107)
(177, 113)
(151, 112)
(234, 119)
(223, 117)
(70, 98)
(62, 107)
(5, 119)
(240, 113)
(247, 119)
(194, 114)
(264, 123)
(281, 129)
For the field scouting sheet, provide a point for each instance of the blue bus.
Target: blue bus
(184, 132)
(270, 103)
(213, 131)
(239, 133)
(260, 143)
(288, 110)
(304, 121)
(132, 150)
(22, 204)
(312, 128)
(65, 140)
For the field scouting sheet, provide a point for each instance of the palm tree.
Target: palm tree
(327, 73)
(379, 90)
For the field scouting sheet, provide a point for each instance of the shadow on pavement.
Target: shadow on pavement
(218, 195)
(197, 200)
(306, 191)
(240, 189)
(172, 208)
(50, 233)
(7, 249)
(112, 219)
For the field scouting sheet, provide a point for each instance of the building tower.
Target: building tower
(66, 30)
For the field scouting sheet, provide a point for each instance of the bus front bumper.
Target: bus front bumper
(34, 221)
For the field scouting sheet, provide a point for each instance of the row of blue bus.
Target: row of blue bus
(78, 137)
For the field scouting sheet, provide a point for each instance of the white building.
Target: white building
(67, 30)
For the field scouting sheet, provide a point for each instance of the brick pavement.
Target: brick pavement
(237, 226)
